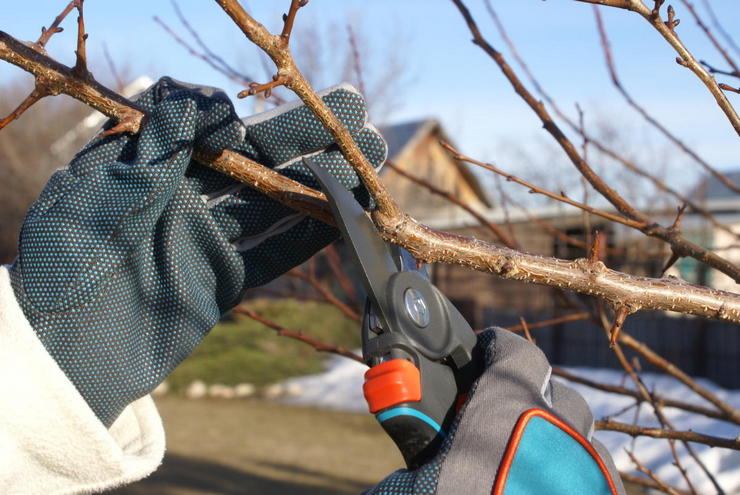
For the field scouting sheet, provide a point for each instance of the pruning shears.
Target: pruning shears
(419, 348)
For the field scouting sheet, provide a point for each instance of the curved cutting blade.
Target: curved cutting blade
(368, 250)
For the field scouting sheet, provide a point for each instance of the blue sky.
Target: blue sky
(451, 79)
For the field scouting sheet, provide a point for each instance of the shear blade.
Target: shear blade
(368, 250)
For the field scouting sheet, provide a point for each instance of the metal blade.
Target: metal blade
(368, 250)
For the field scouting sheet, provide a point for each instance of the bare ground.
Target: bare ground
(257, 447)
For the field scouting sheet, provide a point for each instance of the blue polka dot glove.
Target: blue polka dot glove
(518, 433)
(131, 254)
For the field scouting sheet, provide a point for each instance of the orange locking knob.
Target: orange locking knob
(391, 383)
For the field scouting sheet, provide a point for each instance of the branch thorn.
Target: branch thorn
(620, 315)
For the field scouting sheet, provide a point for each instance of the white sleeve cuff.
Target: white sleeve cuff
(51, 443)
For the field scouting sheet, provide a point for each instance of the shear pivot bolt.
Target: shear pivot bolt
(416, 307)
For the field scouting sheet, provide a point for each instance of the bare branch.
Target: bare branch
(727, 87)
(356, 65)
(677, 242)
(325, 293)
(659, 484)
(289, 18)
(605, 45)
(671, 369)
(685, 57)
(597, 143)
(283, 332)
(712, 39)
(47, 33)
(644, 482)
(686, 436)
(665, 402)
(500, 234)
(276, 48)
(38, 92)
(718, 26)
(80, 69)
(550, 322)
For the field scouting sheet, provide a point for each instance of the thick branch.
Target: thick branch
(424, 243)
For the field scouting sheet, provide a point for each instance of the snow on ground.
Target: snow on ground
(340, 388)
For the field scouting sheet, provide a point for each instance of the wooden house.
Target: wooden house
(414, 147)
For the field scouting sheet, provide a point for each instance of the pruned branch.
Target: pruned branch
(424, 243)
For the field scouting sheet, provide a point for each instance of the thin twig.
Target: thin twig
(685, 436)
(611, 66)
(718, 26)
(283, 332)
(619, 158)
(665, 402)
(671, 369)
(47, 33)
(685, 58)
(325, 292)
(500, 234)
(660, 484)
(39, 91)
(356, 65)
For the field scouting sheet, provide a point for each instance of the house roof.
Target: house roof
(715, 189)
(399, 135)
(405, 134)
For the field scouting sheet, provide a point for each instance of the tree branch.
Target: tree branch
(300, 336)
(423, 242)
(685, 57)
(686, 436)
(606, 48)
(610, 152)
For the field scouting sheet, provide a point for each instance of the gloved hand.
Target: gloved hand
(517, 433)
(133, 253)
